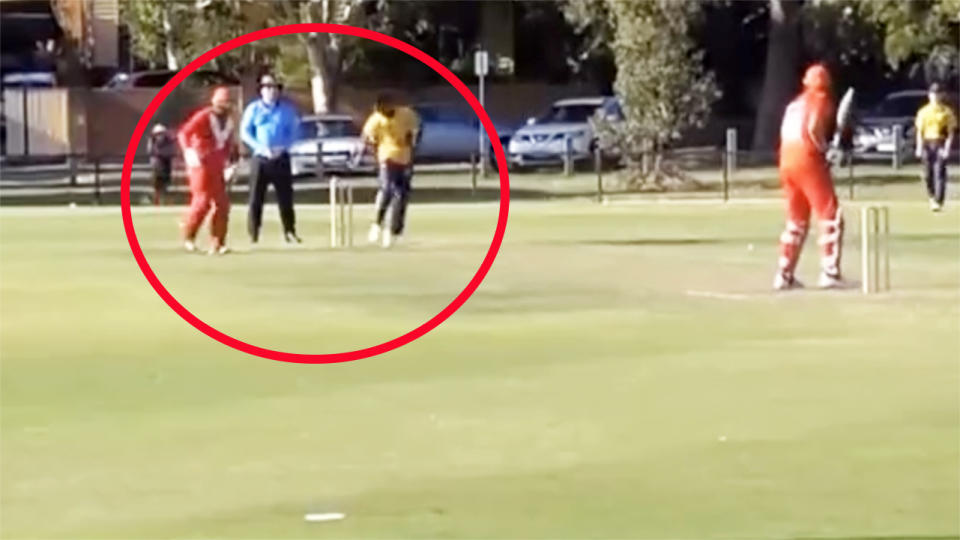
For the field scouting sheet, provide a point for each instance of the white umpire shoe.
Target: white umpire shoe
(190, 246)
(374, 235)
(781, 283)
(387, 239)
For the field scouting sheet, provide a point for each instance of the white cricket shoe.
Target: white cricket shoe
(374, 235)
(190, 246)
(781, 283)
(222, 250)
(388, 239)
(935, 206)
(827, 281)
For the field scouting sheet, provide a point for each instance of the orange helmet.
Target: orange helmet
(816, 78)
(221, 95)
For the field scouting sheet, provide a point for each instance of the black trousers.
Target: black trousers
(935, 170)
(274, 171)
(394, 192)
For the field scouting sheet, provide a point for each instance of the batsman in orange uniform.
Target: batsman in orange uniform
(207, 141)
(805, 175)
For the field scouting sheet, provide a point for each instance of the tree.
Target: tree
(781, 73)
(173, 32)
(918, 35)
(660, 80)
(326, 53)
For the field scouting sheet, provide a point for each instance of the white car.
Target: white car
(343, 146)
(543, 140)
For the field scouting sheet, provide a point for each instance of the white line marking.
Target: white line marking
(329, 516)
(720, 295)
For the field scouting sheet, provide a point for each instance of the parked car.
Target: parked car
(449, 133)
(343, 147)
(542, 140)
(874, 132)
(158, 78)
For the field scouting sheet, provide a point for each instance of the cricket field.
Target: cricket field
(623, 372)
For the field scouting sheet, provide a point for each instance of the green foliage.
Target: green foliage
(660, 80)
(911, 28)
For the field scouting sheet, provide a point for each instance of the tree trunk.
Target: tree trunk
(168, 38)
(781, 73)
(324, 57)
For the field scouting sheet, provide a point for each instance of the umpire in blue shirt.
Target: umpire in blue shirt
(269, 127)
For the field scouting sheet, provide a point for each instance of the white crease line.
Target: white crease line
(720, 295)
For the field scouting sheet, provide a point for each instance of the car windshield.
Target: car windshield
(900, 106)
(568, 113)
(328, 128)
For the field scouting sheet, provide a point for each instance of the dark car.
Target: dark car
(158, 78)
(874, 132)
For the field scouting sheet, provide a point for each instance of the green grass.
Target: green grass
(588, 389)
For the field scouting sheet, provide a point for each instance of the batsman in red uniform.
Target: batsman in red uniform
(805, 176)
(207, 141)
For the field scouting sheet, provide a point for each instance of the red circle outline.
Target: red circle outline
(242, 346)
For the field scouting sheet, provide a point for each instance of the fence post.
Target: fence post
(73, 169)
(26, 122)
(319, 164)
(850, 178)
(645, 157)
(598, 166)
(473, 173)
(725, 183)
(96, 180)
(897, 143)
(732, 149)
(567, 156)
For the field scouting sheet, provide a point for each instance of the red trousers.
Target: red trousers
(807, 186)
(207, 188)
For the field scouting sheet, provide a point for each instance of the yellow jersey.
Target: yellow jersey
(393, 135)
(935, 121)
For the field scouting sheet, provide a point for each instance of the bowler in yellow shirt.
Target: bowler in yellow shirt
(392, 130)
(936, 123)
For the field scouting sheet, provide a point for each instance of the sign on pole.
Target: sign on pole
(481, 64)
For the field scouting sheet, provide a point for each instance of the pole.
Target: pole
(725, 184)
(480, 135)
(850, 179)
(333, 211)
(473, 173)
(26, 123)
(567, 156)
(897, 143)
(865, 247)
(349, 216)
(319, 164)
(598, 165)
(96, 180)
(732, 148)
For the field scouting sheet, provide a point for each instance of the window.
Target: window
(340, 128)
(576, 114)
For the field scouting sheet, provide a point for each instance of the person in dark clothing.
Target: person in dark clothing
(161, 146)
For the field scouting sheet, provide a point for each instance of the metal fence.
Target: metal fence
(704, 172)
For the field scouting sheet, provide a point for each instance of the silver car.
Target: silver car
(339, 137)
(543, 140)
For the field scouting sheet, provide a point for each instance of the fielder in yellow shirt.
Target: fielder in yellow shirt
(935, 125)
(392, 130)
